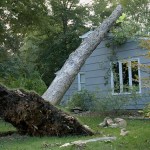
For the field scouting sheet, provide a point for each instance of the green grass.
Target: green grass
(138, 138)
(4, 127)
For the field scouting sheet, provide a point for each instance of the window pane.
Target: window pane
(135, 75)
(125, 76)
(82, 78)
(82, 86)
(115, 69)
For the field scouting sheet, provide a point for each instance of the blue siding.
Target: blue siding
(97, 68)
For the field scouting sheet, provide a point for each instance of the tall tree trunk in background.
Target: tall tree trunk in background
(72, 66)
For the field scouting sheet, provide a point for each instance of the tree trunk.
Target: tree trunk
(72, 66)
(31, 115)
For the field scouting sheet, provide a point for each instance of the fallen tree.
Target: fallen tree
(72, 66)
(31, 115)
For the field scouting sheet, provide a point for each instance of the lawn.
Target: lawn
(138, 138)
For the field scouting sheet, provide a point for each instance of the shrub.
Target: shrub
(34, 83)
(111, 102)
(102, 103)
(84, 99)
(146, 111)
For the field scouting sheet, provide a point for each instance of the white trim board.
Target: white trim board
(79, 80)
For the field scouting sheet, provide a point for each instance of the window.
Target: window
(81, 81)
(125, 76)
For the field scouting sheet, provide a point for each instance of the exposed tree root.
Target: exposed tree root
(31, 115)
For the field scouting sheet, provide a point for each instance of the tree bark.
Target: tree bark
(72, 66)
(32, 115)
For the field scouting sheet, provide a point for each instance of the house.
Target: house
(116, 70)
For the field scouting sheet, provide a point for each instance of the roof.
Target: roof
(109, 34)
(86, 34)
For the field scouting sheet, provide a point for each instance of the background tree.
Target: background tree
(18, 19)
(62, 38)
(139, 14)
(37, 40)
(101, 10)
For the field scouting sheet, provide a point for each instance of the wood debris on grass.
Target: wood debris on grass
(118, 122)
(124, 132)
(83, 142)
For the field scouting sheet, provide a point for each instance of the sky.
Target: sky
(85, 1)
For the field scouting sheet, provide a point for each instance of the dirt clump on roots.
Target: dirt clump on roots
(34, 116)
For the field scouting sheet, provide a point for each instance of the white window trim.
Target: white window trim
(120, 77)
(79, 80)
(130, 76)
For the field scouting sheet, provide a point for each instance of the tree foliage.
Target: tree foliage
(136, 10)
(18, 19)
(36, 37)
(66, 23)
